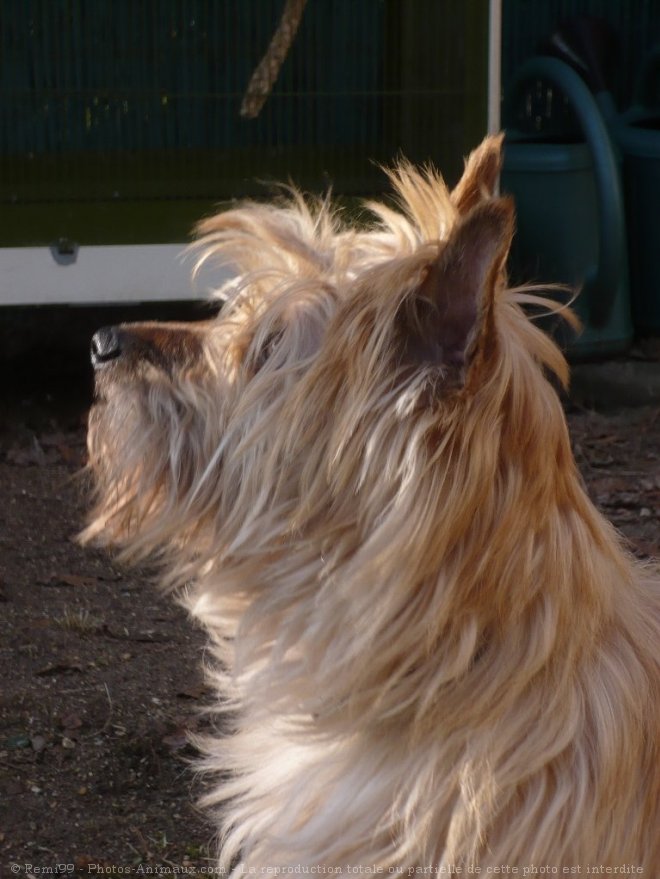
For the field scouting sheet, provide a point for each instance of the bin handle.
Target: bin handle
(612, 251)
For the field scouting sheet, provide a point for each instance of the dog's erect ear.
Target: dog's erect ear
(482, 171)
(450, 316)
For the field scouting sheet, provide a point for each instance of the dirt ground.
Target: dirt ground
(100, 674)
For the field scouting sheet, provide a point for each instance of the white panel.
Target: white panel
(112, 274)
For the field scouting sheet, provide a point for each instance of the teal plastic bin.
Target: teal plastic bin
(569, 203)
(638, 134)
(640, 146)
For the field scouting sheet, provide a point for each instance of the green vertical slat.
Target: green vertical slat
(363, 79)
(476, 73)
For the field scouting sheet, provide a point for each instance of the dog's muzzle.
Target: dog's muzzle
(168, 346)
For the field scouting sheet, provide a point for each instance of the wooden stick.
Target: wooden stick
(266, 73)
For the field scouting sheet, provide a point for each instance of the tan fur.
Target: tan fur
(433, 651)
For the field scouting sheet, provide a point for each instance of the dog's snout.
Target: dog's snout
(166, 346)
(106, 346)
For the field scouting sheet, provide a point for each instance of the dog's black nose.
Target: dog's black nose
(106, 346)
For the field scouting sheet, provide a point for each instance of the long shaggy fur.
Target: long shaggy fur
(433, 651)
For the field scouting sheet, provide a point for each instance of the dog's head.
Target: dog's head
(364, 394)
(167, 394)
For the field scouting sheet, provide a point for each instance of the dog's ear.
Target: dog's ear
(449, 318)
(482, 171)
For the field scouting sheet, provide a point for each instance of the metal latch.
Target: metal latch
(64, 251)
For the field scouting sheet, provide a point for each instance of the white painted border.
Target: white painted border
(103, 275)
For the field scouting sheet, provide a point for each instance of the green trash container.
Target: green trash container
(570, 214)
(637, 133)
(640, 145)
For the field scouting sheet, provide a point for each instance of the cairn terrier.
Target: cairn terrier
(434, 654)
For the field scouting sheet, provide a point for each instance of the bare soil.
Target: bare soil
(100, 673)
(101, 679)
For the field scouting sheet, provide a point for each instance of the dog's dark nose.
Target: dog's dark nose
(106, 346)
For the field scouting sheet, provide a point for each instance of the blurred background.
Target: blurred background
(120, 127)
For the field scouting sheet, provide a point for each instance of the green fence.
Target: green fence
(119, 121)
